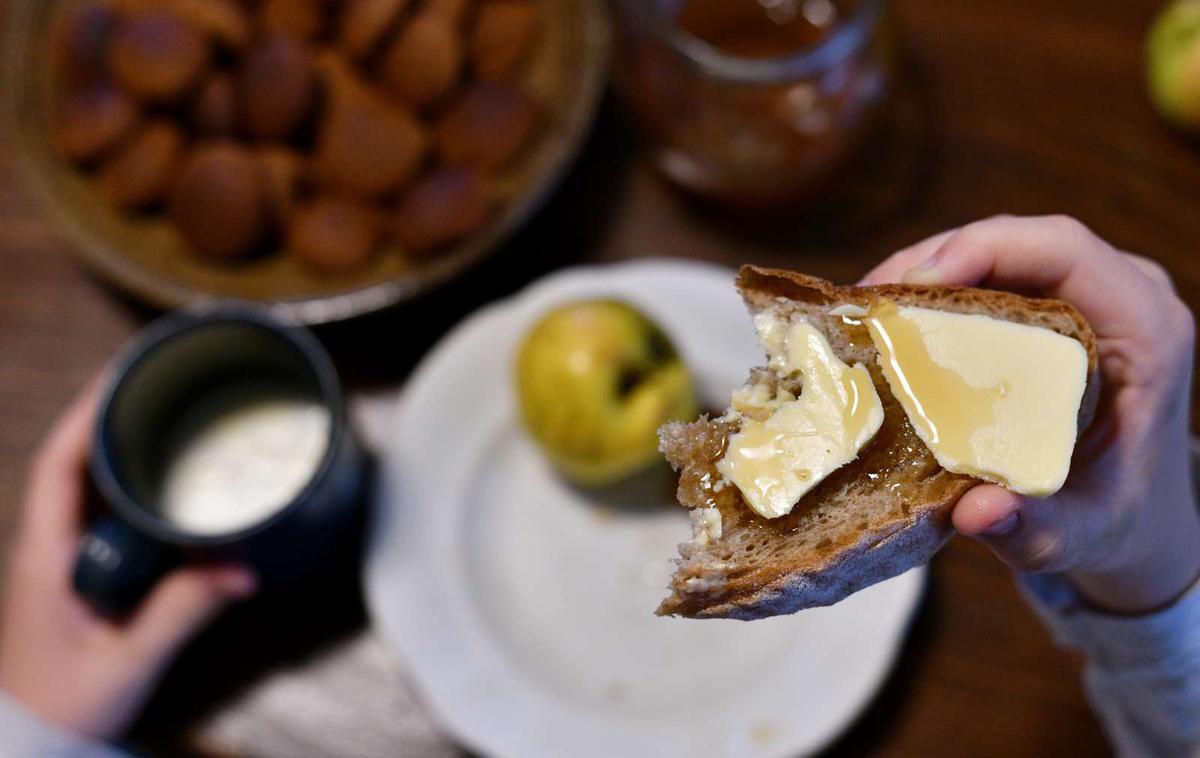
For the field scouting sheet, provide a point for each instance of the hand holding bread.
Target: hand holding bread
(1125, 528)
(890, 415)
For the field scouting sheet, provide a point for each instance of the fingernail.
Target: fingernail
(925, 272)
(1003, 527)
(241, 584)
(922, 276)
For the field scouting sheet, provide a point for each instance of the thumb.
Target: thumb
(1026, 533)
(182, 603)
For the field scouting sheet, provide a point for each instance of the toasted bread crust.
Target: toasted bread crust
(853, 530)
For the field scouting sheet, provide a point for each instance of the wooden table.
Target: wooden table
(1012, 106)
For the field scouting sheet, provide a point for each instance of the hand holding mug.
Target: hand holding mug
(221, 439)
(65, 663)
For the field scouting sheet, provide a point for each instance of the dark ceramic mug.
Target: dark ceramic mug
(168, 369)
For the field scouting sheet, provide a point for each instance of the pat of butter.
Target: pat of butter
(775, 461)
(993, 399)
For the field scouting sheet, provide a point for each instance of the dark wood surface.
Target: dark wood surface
(999, 106)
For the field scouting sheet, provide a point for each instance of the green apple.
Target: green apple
(595, 380)
(1173, 63)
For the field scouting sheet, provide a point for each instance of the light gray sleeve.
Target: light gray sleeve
(24, 735)
(1142, 673)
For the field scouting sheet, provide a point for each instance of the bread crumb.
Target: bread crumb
(706, 525)
(762, 733)
(697, 585)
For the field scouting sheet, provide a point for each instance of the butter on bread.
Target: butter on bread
(874, 518)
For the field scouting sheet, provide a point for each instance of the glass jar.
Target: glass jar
(743, 112)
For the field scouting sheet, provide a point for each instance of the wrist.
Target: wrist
(27, 731)
(1130, 593)
(1167, 570)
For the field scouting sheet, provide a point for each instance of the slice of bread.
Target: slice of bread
(872, 519)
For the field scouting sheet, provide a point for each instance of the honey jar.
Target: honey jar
(752, 102)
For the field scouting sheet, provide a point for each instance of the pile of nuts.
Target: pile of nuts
(325, 127)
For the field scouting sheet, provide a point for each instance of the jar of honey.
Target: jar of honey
(752, 102)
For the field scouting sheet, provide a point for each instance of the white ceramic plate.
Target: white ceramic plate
(525, 608)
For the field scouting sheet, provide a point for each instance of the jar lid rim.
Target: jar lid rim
(847, 38)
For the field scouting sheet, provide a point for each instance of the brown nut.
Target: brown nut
(487, 126)
(139, 175)
(218, 203)
(454, 11)
(282, 173)
(366, 145)
(303, 19)
(214, 111)
(443, 207)
(155, 55)
(276, 88)
(94, 122)
(503, 33)
(333, 233)
(364, 22)
(424, 61)
(77, 44)
(223, 21)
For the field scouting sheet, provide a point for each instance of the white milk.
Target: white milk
(239, 457)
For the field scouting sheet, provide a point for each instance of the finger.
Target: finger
(893, 267)
(1151, 268)
(1056, 255)
(984, 509)
(180, 605)
(54, 504)
(1027, 534)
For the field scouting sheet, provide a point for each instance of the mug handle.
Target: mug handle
(116, 566)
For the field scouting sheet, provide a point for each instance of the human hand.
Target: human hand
(72, 668)
(1125, 528)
